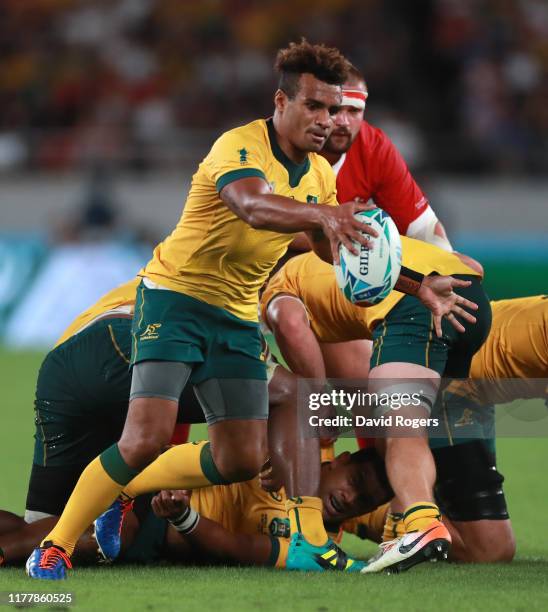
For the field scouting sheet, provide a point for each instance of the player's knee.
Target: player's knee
(505, 551)
(498, 546)
(241, 464)
(282, 388)
(142, 448)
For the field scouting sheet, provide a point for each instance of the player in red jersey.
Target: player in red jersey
(368, 166)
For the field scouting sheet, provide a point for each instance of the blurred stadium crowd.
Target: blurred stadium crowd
(461, 85)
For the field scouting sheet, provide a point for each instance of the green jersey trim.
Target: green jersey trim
(295, 171)
(235, 175)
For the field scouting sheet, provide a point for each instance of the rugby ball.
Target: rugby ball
(367, 278)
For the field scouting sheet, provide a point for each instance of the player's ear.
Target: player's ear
(280, 100)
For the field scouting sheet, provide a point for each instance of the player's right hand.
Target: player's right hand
(170, 504)
(341, 227)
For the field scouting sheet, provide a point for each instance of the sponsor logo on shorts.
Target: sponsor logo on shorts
(151, 332)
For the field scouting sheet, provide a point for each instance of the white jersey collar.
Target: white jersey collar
(338, 164)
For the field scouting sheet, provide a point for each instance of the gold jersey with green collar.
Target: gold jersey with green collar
(214, 256)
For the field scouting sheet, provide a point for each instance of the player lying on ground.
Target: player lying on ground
(196, 311)
(238, 523)
(405, 347)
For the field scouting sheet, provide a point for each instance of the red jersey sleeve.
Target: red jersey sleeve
(395, 190)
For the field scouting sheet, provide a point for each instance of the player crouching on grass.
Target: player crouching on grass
(239, 523)
(407, 350)
(512, 364)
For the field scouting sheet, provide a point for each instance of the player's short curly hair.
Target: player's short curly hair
(327, 64)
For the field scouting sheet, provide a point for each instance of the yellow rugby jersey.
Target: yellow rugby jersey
(517, 347)
(244, 507)
(333, 318)
(124, 295)
(213, 255)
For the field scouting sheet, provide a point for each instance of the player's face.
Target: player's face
(307, 119)
(349, 489)
(346, 127)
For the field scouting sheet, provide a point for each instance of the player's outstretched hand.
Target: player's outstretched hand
(170, 504)
(436, 293)
(341, 227)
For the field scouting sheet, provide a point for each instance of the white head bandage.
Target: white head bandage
(354, 97)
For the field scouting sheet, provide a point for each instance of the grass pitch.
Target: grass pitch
(521, 585)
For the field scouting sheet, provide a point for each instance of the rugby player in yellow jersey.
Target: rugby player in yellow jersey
(512, 364)
(406, 347)
(195, 316)
(237, 523)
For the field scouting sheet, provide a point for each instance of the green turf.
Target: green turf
(522, 585)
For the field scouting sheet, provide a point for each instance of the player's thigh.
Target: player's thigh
(78, 414)
(156, 389)
(463, 346)
(236, 412)
(407, 336)
(348, 360)
(225, 400)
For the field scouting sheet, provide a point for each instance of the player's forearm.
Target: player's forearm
(275, 213)
(301, 350)
(215, 542)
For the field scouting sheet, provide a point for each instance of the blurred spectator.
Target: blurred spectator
(146, 84)
(99, 217)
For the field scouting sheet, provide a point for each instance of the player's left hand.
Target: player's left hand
(436, 293)
(170, 504)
